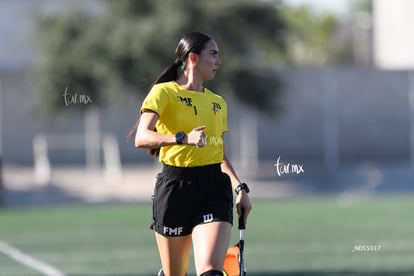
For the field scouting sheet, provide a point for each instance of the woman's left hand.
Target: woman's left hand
(243, 203)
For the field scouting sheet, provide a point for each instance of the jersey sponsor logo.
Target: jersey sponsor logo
(216, 108)
(186, 101)
(208, 218)
(172, 231)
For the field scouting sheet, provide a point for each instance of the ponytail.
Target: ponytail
(170, 73)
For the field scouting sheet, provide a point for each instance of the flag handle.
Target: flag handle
(242, 224)
(242, 227)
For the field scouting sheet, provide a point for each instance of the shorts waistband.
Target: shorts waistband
(192, 171)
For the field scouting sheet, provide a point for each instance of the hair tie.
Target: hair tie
(178, 62)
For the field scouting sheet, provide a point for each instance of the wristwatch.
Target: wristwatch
(179, 137)
(242, 186)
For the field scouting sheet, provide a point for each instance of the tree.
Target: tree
(313, 38)
(128, 45)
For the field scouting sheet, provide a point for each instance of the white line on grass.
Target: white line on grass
(28, 260)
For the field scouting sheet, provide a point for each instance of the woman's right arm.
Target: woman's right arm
(146, 137)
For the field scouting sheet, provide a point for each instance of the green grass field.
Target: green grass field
(309, 236)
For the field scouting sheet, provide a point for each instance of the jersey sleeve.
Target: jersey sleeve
(156, 101)
(225, 128)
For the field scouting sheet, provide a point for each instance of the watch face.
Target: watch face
(179, 136)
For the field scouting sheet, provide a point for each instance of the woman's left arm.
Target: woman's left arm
(242, 199)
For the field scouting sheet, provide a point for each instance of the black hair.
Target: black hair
(193, 42)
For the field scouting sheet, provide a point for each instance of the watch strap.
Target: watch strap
(242, 186)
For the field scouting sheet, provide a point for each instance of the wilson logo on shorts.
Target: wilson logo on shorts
(208, 218)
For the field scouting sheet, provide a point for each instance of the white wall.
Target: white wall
(393, 34)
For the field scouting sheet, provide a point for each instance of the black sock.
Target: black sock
(212, 273)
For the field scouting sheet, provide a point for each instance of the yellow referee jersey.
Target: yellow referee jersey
(184, 110)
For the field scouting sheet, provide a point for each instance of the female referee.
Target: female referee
(183, 123)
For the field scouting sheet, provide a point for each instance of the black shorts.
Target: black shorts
(186, 197)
